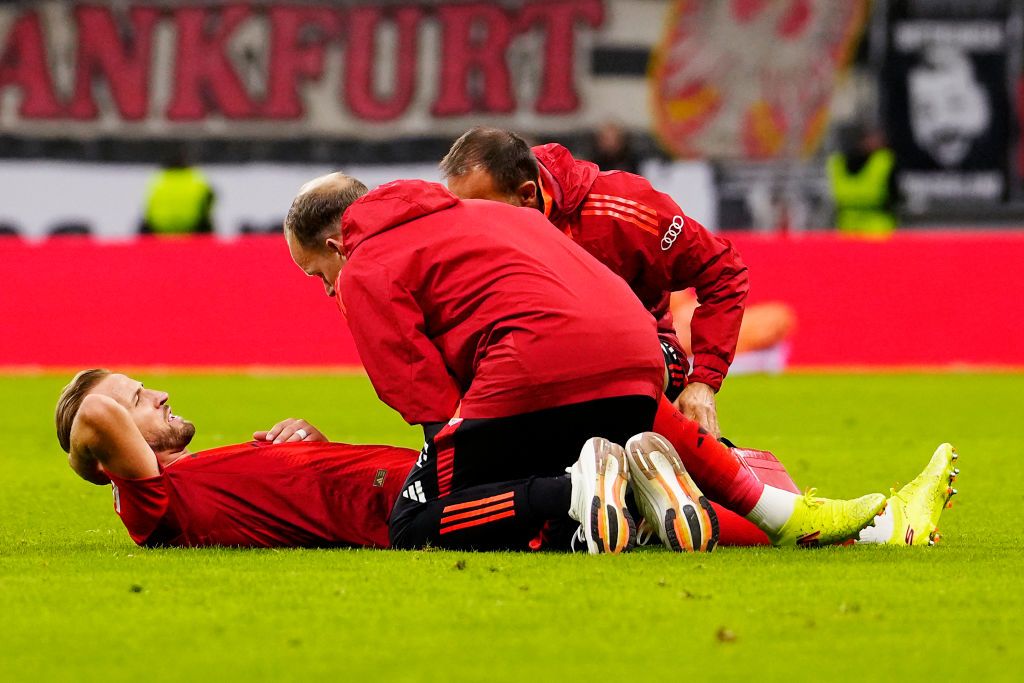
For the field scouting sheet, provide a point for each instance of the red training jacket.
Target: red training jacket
(645, 238)
(479, 309)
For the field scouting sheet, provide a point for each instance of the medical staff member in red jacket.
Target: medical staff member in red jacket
(639, 233)
(485, 341)
(513, 348)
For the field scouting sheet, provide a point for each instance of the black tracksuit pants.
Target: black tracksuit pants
(500, 483)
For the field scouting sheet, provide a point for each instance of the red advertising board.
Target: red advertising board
(940, 299)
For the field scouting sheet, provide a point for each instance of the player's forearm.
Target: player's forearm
(715, 327)
(714, 332)
(105, 434)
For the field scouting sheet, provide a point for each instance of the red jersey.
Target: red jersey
(306, 494)
(645, 238)
(480, 309)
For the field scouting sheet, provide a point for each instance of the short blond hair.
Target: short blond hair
(70, 401)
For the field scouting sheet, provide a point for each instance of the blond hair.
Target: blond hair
(71, 400)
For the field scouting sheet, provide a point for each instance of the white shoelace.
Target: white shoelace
(644, 533)
(578, 543)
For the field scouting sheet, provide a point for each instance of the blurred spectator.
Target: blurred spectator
(179, 201)
(861, 177)
(612, 149)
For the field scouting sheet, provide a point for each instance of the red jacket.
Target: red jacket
(455, 313)
(645, 238)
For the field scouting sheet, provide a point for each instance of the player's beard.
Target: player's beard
(174, 438)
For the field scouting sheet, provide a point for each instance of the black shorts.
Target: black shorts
(465, 453)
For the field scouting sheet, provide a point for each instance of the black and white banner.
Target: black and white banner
(948, 111)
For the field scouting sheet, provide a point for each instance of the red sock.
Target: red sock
(736, 530)
(712, 465)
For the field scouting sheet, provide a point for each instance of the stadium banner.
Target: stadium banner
(721, 83)
(917, 299)
(106, 200)
(947, 100)
(279, 69)
(751, 80)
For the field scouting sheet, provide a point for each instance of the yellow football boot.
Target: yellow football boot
(821, 521)
(916, 507)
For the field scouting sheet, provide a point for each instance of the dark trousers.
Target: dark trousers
(498, 483)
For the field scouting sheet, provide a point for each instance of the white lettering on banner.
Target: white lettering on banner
(672, 233)
(972, 36)
(926, 186)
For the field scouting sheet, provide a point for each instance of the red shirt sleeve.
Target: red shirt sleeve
(715, 270)
(142, 505)
(387, 324)
(677, 253)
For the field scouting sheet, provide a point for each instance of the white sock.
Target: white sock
(881, 532)
(773, 509)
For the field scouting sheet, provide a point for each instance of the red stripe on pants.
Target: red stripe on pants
(497, 507)
(478, 522)
(444, 442)
(479, 502)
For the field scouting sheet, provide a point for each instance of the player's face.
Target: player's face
(163, 430)
(325, 263)
(479, 184)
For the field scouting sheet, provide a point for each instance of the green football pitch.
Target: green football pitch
(78, 601)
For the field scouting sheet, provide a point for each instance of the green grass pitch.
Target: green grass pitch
(78, 601)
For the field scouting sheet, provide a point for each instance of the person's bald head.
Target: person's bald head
(313, 226)
(315, 214)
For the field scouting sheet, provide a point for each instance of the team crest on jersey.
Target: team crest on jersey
(378, 480)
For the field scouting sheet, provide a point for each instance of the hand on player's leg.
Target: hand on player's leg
(697, 402)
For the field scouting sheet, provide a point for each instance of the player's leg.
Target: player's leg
(787, 518)
(734, 530)
(484, 515)
(500, 516)
(737, 530)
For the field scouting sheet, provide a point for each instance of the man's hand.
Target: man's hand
(697, 402)
(290, 430)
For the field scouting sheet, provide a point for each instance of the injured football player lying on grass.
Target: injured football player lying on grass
(290, 487)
